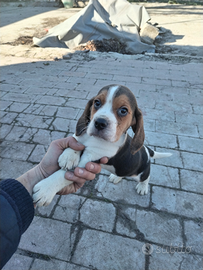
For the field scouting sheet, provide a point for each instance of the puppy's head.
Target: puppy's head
(110, 114)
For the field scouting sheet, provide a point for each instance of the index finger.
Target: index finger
(70, 142)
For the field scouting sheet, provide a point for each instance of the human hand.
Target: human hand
(49, 165)
(81, 175)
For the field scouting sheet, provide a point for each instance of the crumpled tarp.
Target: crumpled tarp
(101, 19)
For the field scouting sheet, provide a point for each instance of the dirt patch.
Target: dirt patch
(24, 40)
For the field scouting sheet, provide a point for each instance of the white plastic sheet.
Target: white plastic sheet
(98, 20)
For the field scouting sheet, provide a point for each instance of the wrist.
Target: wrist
(31, 178)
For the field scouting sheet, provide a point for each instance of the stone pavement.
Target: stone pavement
(103, 225)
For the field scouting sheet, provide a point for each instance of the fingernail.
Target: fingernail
(80, 171)
(69, 175)
(91, 166)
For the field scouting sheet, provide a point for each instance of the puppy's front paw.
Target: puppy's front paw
(42, 194)
(114, 178)
(69, 159)
(142, 188)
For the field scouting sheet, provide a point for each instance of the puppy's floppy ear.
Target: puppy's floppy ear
(138, 128)
(84, 119)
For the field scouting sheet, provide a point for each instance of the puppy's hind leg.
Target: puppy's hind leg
(144, 177)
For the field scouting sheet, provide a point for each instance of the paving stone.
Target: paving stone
(123, 192)
(48, 237)
(161, 259)
(46, 211)
(174, 106)
(49, 110)
(150, 125)
(8, 118)
(38, 153)
(162, 234)
(98, 215)
(192, 161)
(18, 97)
(45, 137)
(21, 134)
(164, 176)
(175, 160)
(30, 120)
(36, 90)
(190, 144)
(72, 126)
(13, 88)
(177, 202)
(76, 103)
(40, 83)
(144, 102)
(61, 124)
(4, 130)
(73, 74)
(12, 168)
(198, 109)
(50, 100)
(100, 76)
(191, 181)
(156, 81)
(68, 208)
(134, 79)
(200, 130)
(18, 262)
(177, 128)
(19, 151)
(190, 118)
(126, 223)
(139, 87)
(109, 252)
(54, 264)
(132, 222)
(160, 139)
(34, 109)
(67, 112)
(150, 113)
(18, 107)
(5, 104)
(194, 236)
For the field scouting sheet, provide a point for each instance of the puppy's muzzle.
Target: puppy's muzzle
(100, 124)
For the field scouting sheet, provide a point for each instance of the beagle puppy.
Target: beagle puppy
(102, 128)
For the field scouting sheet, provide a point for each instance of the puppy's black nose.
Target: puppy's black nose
(100, 124)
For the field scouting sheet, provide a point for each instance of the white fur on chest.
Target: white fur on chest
(96, 148)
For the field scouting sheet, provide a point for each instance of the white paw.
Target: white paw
(114, 178)
(69, 159)
(142, 188)
(42, 194)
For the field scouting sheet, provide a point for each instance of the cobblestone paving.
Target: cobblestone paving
(103, 225)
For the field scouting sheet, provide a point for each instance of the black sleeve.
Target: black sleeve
(16, 214)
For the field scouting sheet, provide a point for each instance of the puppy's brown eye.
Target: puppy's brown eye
(123, 111)
(97, 104)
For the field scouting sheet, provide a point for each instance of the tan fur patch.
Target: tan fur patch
(102, 97)
(123, 121)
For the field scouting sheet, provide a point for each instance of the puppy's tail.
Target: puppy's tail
(155, 155)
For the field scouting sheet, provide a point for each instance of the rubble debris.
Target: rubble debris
(104, 45)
